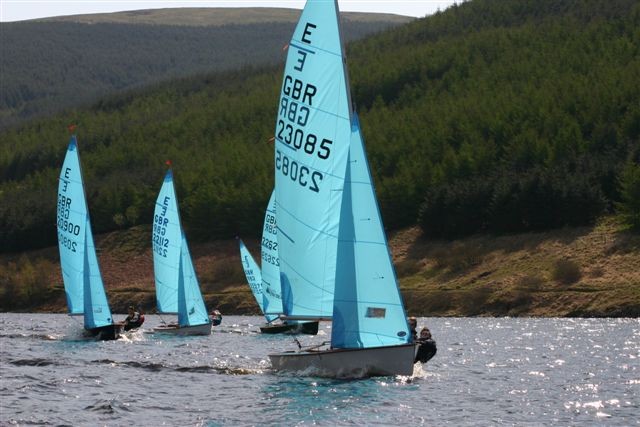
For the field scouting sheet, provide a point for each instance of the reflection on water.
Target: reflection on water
(487, 371)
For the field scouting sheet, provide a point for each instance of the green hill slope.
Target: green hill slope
(48, 65)
(492, 116)
(214, 16)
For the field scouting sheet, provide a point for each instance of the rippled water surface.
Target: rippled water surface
(487, 372)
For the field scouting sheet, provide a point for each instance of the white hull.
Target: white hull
(348, 363)
(184, 330)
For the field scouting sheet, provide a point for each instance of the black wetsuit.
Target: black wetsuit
(132, 321)
(426, 350)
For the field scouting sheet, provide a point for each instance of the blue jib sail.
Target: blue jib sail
(313, 129)
(270, 274)
(191, 308)
(252, 272)
(177, 288)
(97, 312)
(166, 242)
(79, 264)
(368, 308)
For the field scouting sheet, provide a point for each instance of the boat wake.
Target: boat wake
(33, 362)
(202, 369)
(132, 336)
(149, 366)
(45, 337)
(418, 371)
(224, 370)
(110, 406)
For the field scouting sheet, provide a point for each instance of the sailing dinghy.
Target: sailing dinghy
(330, 235)
(78, 261)
(177, 288)
(265, 284)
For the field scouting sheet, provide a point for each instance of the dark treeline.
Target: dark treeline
(503, 116)
(47, 66)
(498, 116)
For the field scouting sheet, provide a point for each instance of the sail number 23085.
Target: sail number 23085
(298, 173)
(295, 137)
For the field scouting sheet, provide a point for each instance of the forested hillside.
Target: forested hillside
(493, 115)
(50, 65)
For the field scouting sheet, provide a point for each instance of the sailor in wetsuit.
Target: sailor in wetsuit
(215, 318)
(133, 320)
(427, 348)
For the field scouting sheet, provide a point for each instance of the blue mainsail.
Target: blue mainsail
(80, 271)
(270, 274)
(368, 308)
(254, 278)
(167, 243)
(177, 288)
(313, 130)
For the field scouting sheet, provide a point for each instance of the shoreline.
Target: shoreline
(586, 272)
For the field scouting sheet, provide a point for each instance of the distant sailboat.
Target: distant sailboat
(177, 289)
(254, 278)
(265, 284)
(78, 261)
(331, 238)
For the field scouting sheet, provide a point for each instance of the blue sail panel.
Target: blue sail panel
(71, 225)
(313, 129)
(368, 307)
(166, 243)
(252, 273)
(191, 308)
(270, 275)
(97, 312)
(254, 278)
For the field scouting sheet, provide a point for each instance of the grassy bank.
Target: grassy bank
(587, 271)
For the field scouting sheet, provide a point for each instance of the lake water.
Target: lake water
(487, 372)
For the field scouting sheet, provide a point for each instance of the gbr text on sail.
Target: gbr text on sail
(305, 143)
